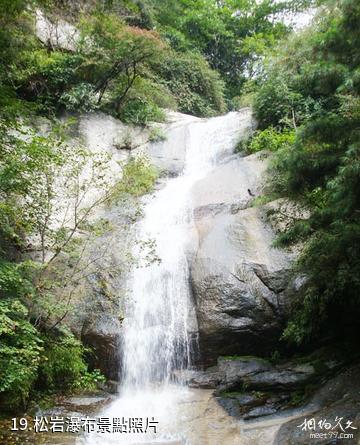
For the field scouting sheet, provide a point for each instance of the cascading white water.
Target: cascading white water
(156, 330)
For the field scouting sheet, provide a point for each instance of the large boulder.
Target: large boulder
(103, 337)
(250, 387)
(255, 373)
(240, 281)
(259, 374)
(332, 415)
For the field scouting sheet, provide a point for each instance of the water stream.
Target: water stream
(160, 315)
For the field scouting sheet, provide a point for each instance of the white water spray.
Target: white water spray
(160, 313)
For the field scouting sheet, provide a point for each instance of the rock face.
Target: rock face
(252, 387)
(259, 374)
(256, 374)
(168, 155)
(56, 34)
(239, 280)
(103, 336)
(100, 301)
(336, 403)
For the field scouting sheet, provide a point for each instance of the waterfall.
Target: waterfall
(160, 313)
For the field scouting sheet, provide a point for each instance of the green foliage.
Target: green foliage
(206, 89)
(140, 111)
(151, 90)
(90, 381)
(27, 165)
(206, 38)
(197, 89)
(122, 66)
(63, 367)
(44, 76)
(29, 361)
(285, 102)
(138, 178)
(268, 139)
(119, 47)
(115, 68)
(313, 87)
(233, 36)
(157, 135)
(116, 56)
(31, 167)
(15, 279)
(80, 98)
(20, 353)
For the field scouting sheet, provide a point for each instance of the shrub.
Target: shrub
(269, 140)
(20, 354)
(140, 111)
(138, 178)
(313, 85)
(157, 135)
(197, 88)
(45, 76)
(63, 367)
(80, 98)
(151, 90)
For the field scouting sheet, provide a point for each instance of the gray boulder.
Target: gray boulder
(208, 379)
(234, 370)
(280, 378)
(240, 282)
(338, 398)
(103, 337)
(259, 374)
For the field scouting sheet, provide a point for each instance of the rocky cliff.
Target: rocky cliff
(241, 284)
(240, 281)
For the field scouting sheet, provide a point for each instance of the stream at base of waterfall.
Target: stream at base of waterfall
(160, 316)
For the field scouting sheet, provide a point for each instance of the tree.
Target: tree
(116, 54)
(233, 35)
(320, 89)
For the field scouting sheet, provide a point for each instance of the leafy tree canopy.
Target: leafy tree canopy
(312, 88)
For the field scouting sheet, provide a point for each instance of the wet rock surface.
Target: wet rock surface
(335, 403)
(240, 282)
(209, 379)
(241, 289)
(100, 300)
(252, 387)
(103, 336)
(254, 404)
(233, 374)
(234, 371)
(88, 403)
(168, 155)
(280, 378)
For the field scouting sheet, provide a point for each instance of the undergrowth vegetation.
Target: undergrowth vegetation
(127, 71)
(308, 109)
(132, 60)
